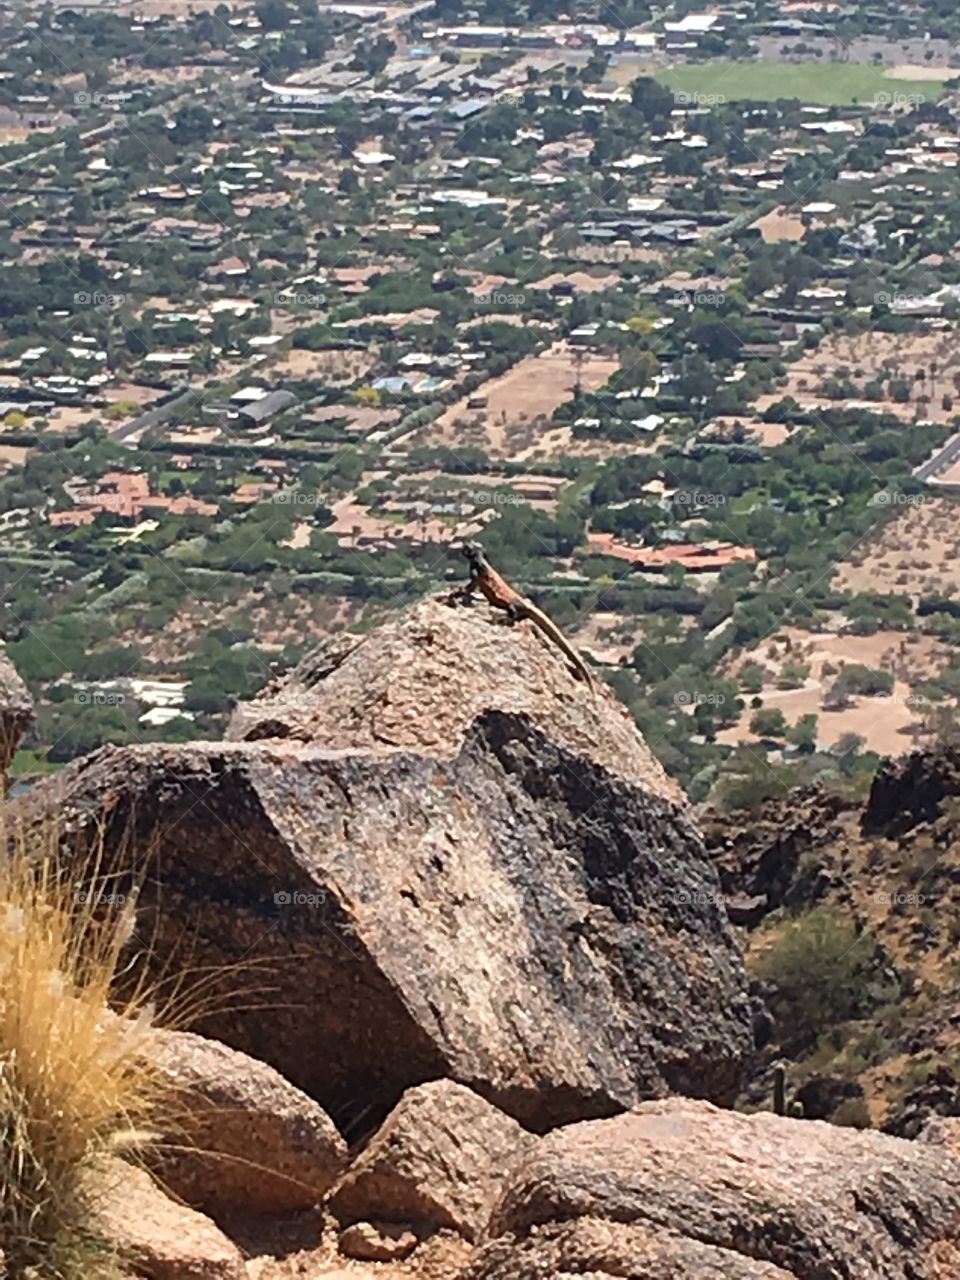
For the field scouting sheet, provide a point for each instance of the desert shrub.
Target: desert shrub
(818, 972)
(852, 1113)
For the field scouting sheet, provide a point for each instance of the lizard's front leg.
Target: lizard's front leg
(464, 595)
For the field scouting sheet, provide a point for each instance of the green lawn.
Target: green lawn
(827, 85)
(29, 764)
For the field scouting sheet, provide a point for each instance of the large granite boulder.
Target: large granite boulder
(430, 853)
(680, 1188)
(16, 711)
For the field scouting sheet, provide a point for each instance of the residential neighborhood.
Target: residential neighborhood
(297, 297)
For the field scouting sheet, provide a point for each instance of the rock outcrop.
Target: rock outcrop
(16, 712)
(244, 1139)
(436, 1162)
(680, 1188)
(433, 854)
(907, 792)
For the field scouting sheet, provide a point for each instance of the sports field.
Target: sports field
(826, 85)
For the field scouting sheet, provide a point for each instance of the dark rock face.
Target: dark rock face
(939, 1095)
(480, 874)
(820, 1095)
(678, 1188)
(908, 792)
(775, 857)
(16, 712)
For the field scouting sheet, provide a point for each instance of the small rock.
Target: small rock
(436, 1161)
(377, 1241)
(153, 1235)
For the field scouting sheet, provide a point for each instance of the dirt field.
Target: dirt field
(927, 361)
(519, 404)
(12, 455)
(778, 224)
(918, 553)
(608, 637)
(342, 365)
(767, 434)
(890, 725)
(914, 71)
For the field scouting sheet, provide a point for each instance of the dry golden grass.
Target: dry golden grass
(75, 1079)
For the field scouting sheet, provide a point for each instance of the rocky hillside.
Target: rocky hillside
(847, 915)
(473, 1005)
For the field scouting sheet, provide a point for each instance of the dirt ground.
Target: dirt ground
(914, 71)
(889, 725)
(519, 404)
(341, 365)
(607, 637)
(274, 624)
(767, 434)
(438, 1258)
(918, 553)
(935, 355)
(780, 225)
(12, 455)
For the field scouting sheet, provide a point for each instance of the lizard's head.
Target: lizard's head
(473, 552)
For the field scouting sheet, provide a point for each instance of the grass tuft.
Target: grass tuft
(75, 1078)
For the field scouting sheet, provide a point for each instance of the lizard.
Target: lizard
(498, 592)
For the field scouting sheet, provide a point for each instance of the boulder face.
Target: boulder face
(678, 1187)
(16, 711)
(431, 853)
(244, 1140)
(152, 1235)
(436, 1162)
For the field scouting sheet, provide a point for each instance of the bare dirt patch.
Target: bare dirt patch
(519, 404)
(889, 725)
(916, 554)
(914, 71)
(926, 361)
(338, 364)
(778, 225)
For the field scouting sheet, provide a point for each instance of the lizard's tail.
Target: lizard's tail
(553, 632)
